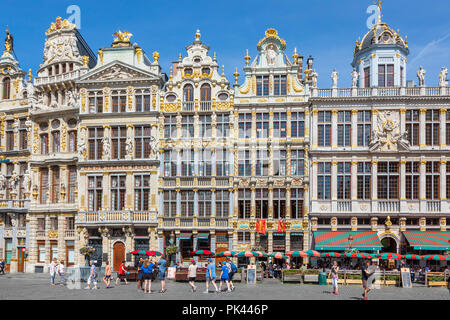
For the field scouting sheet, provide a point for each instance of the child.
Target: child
(224, 277)
(192, 275)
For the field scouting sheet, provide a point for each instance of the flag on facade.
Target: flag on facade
(261, 226)
(281, 226)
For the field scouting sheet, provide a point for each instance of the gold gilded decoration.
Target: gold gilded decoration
(138, 54)
(122, 39)
(130, 91)
(156, 56)
(198, 35)
(85, 61)
(100, 56)
(273, 35)
(8, 42)
(247, 58)
(59, 25)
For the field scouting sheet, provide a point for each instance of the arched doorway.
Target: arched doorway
(389, 245)
(118, 254)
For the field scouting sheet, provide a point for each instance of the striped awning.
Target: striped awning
(338, 240)
(185, 236)
(202, 235)
(428, 240)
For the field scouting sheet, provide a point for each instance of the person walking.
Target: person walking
(92, 277)
(107, 276)
(334, 277)
(162, 273)
(122, 274)
(53, 269)
(2, 266)
(192, 275)
(147, 269)
(140, 274)
(365, 275)
(233, 269)
(211, 276)
(224, 277)
(62, 273)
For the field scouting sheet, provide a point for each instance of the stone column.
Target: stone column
(253, 203)
(270, 202)
(288, 203)
(130, 191)
(354, 180)
(32, 246)
(422, 118)
(106, 183)
(313, 180)
(422, 186)
(334, 185)
(314, 128)
(374, 185)
(61, 238)
(354, 137)
(47, 241)
(403, 202)
(442, 128)
(334, 136)
(270, 241)
(443, 180)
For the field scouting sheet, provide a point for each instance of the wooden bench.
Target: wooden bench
(311, 278)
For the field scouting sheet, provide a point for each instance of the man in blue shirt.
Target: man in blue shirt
(162, 274)
(224, 277)
(211, 276)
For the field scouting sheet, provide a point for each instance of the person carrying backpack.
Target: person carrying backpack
(232, 270)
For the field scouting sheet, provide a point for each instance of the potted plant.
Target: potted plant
(171, 251)
(87, 252)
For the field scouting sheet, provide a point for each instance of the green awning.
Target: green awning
(202, 235)
(296, 233)
(338, 240)
(185, 236)
(428, 240)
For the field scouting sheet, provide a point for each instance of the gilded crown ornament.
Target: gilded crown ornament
(8, 42)
(122, 39)
(60, 24)
(156, 56)
(198, 35)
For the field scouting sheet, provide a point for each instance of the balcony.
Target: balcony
(388, 206)
(14, 204)
(117, 217)
(382, 92)
(433, 206)
(205, 105)
(344, 206)
(69, 234)
(194, 222)
(188, 106)
(68, 76)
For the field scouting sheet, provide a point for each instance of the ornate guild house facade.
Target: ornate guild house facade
(107, 151)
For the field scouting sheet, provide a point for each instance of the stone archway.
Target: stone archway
(390, 244)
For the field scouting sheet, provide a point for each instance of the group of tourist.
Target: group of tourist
(57, 269)
(227, 271)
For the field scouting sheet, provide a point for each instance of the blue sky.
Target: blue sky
(325, 29)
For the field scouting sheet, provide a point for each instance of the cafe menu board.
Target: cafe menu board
(251, 274)
(406, 277)
(171, 271)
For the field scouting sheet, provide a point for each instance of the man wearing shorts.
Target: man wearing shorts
(162, 274)
(122, 274)
(224, 277)
(107, 277)
(211, 276)
(365, 275)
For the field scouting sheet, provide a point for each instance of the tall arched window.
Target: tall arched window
(188, 93)
(6, 88)
(205, 92)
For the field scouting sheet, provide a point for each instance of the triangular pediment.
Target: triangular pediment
(117, 71)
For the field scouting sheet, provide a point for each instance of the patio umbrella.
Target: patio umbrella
(355, 255)
(247, 254)
(226, 254)
(330, 255)
(278, 255)
(154, 253)
(294, 254)
(261, 254)
(313, 253)
(389, 256)
(140, 252)
(202, 253)
(436, 257)
(413, 256)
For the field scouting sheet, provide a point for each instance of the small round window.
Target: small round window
(55, 124)
(171, 98)
(223, 96)
(72, 123)
(197, 60)
(43, 126)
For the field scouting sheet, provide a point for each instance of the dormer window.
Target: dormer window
(262, 85)
(223, 96)
(171, 98)
(6, 88)
(385, 75)
(197, 60)
(206, 71)
(188, 71)
(280, 85)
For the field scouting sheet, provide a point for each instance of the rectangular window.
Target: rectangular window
(187, 203)
(187, 127)
(297, 124)
(118, 140)
(280, 85)
(170, 163)
(118, 191)
(72, 141)
(141, 192)
(244, 162)
(205, 164)
(412, 179)
(223, 126)
(41, 251)
(142, 138)
(204, 203)
(222, 203)
(364, 128)
(297, 162)
(119, 102)
(388, 180)
(412, 127)
(262, 85)
(279, 162)
(170, 203)
(262, 163)
(447, 128)
(187, 162)
(432, 182)
(23, 134)
(324, 181)
(55, 184)
(364, 180)
(44, 184)
(72, 183)
(344, 127)
(279, 203)
(9, 135)
(344, 180)
(44, 143)
(279, 125)
(244, 203)
(367, 77)
(56, 143)
(324, 128)
(205, 126)
(222, 164)
(245, 125)
(95, 190)
(296, 203)
(170, 127)
(262, 125)
(95, 143)
(385, 75)
(448, 179)
(432, 123)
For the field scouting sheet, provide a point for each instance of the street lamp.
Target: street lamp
(350, 241)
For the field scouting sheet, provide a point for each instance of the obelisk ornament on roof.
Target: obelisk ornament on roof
(122, 39)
